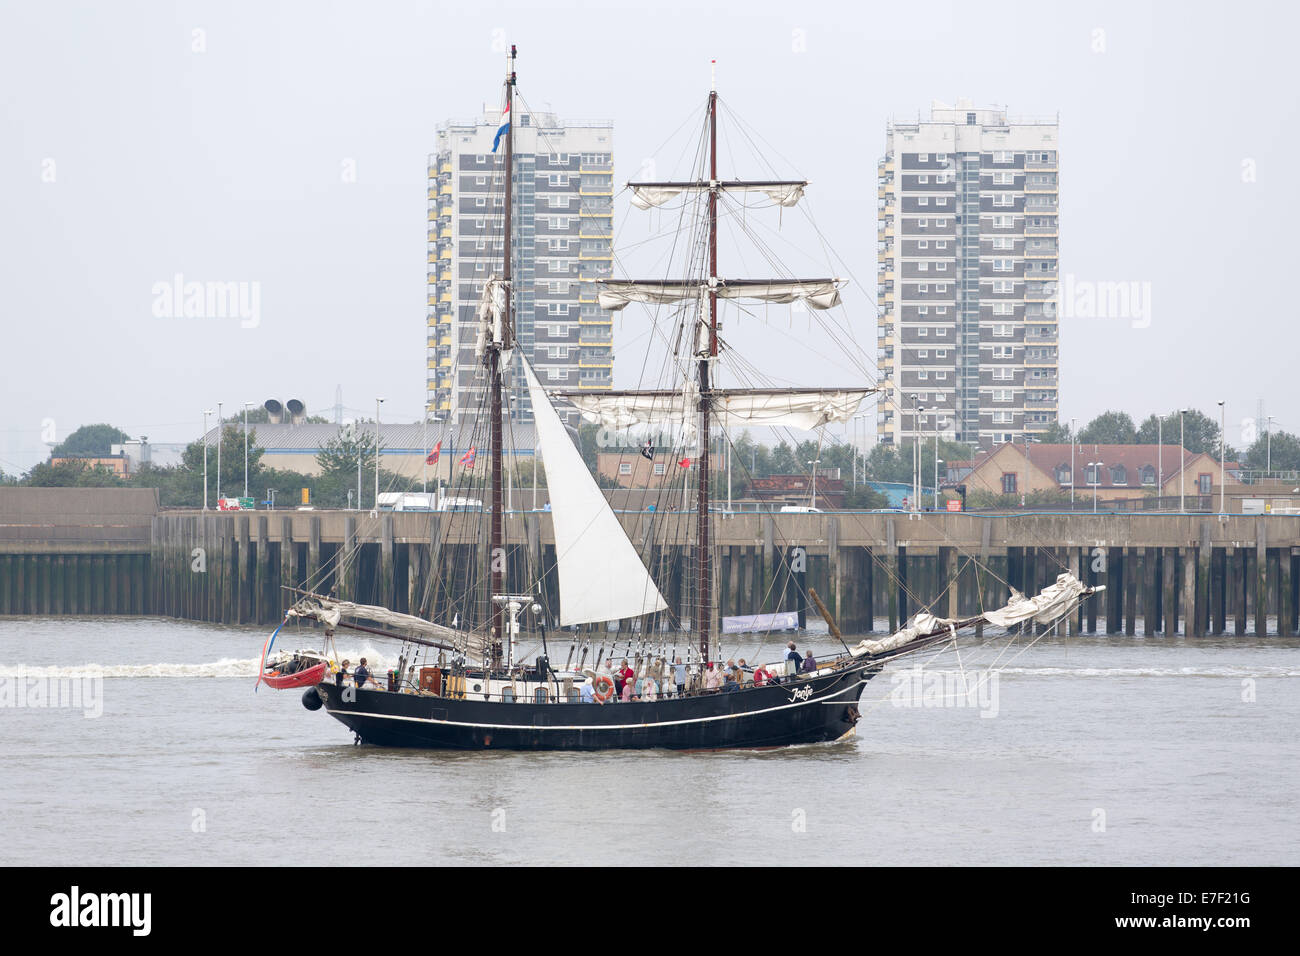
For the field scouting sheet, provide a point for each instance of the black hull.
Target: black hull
(807, 710)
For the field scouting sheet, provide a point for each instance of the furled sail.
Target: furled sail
(331, 612)
(784, 407)
(649, 195)
(617, 294)
(601, 575)
(1052, 602)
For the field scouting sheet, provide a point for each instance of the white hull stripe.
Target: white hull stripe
(658, 723)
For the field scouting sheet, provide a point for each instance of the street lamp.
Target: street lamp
(917, 411)
(247, 406)
(270, 495)
(1268, 463)
(1223, 462)
(1182, 451)
(1095, 468)
(936, 459)
(378, 402)
(814, 464)
(206, 413)
(1073, 442)
(221, 433)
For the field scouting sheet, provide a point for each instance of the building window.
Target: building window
(922, 201)
(1148, 475)
(1204, 483)
(922, 267)
(1063, 476)
(923, 375)
(923, 353)
(1092, 475)
(1008, 483)
(923, 287)
(625, 468)
(922, 310)
(922, 333)
(922, 157)
(923, 244)
(659, 468)
(940, 353)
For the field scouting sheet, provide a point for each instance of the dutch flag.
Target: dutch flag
(501, 130)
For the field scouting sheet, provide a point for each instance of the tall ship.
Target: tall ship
(463, 683)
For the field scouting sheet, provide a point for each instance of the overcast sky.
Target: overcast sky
(133, 148)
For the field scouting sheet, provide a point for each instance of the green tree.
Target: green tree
(1201, 432)
(1055, 434)
(90, 441)
(338, 456)
(1109, 428)
(1285, 453)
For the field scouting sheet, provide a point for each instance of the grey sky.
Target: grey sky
(225, 165)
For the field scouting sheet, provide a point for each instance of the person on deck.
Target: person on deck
(679, 676)
(650, 689)
(742, 672)
(342, 673)
(713, 679)
(361, 674)
(629, 690)
(794, 655)
(731, 685)
(761, 676)
(809, 664)
(587, 692)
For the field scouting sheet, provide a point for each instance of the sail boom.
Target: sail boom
(729, 408)
(781, 191)
(616, 294)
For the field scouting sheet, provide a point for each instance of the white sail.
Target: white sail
(649, 196)
(817, 293)
(1052, 602)
(1049, 605)
(601, 575)
(790, 408)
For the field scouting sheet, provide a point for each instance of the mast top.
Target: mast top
(713, 76)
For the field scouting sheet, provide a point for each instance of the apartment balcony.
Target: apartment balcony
(1042, 274)
(444, 189)
(1044, 362)
(1040, 404)
(1032, 189)
(1051, 230)
(606, 363)
(597, 320)
(1041, 294)
(606, 191)
(596, 168)
(605, 256)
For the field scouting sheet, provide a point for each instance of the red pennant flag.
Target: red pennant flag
(433, 458)
(685, 463)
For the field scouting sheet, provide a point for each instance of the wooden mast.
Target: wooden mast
(496, 553)
(709, 353)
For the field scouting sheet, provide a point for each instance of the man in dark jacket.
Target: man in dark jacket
(361, 674)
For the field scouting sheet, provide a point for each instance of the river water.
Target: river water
(1054, 751)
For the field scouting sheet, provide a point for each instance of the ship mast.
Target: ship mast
(708, 354)
(496, 345)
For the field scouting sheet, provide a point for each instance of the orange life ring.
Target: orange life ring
(604, 680)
